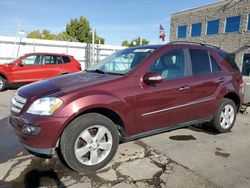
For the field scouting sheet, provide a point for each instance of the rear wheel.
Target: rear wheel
(225, 116)
(89, 142)
(3, 83)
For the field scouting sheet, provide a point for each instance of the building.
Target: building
(225, 24)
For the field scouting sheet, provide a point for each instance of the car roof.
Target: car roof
(147, 47)
(46, 53)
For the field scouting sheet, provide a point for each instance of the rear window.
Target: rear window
(66, 59)
(230, 59)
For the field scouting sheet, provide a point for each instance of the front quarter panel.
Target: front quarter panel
(120, 100)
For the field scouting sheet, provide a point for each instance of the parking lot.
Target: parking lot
(190, 157)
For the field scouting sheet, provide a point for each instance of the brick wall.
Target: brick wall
(238, 43)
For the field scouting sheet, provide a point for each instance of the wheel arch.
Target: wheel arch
(111, 114)
(235, 98)
(4, 76)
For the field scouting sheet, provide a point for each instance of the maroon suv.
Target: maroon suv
(134, 93)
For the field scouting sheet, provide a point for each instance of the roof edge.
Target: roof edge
(201, 7)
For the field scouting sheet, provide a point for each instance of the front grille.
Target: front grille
(17, 103)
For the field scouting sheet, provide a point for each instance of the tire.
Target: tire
(96, 146)
(225, 116)
(3, 83)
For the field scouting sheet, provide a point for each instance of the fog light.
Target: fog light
(30, 130)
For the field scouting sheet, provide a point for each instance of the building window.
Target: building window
(213, 27)
(232, 24)
(182, 31)
(248, 26)
(196, 30)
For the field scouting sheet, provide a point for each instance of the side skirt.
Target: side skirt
(165, 129)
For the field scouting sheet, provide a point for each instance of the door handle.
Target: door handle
(184, 88)
(221, 80)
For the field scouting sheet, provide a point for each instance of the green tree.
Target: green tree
(63, 36)
(35, 34)
(125, 43)
(135, 42)
(78, 30)
(45, 34)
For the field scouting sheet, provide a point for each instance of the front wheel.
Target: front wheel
(3, 83)
(225, 116)
(89, 142)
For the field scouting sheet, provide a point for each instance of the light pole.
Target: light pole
(93, 47)
(20, 33)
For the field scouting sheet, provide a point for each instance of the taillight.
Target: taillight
(241, 85)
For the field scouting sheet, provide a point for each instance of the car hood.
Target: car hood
(6, 66)
(65, 83)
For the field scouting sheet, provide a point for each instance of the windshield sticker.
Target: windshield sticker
(143, 50)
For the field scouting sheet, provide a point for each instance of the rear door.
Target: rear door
(205, 82)
(29, 70)
(51, 66)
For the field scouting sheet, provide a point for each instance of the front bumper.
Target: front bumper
(40, 151)
(45, 141)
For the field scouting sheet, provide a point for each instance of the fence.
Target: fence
(12, 47)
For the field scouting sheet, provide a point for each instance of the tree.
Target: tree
(35, 34)
(125, 43)
(45, 34)
(78, 30)
(135, 42)
(63, 36)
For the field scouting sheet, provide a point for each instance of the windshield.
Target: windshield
(12, 61)
(121, 62)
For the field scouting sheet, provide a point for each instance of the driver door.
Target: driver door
(28, 70)
(162, 104)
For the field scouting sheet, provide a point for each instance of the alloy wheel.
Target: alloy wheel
(93, 145)
(227, 116)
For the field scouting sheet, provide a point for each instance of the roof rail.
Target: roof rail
(196, 43)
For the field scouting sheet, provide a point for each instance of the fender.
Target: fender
(4, 75)
(77, 107)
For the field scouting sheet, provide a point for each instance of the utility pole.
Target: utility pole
(14, 48)
(140, 41)
(93, 47)
(20, 33)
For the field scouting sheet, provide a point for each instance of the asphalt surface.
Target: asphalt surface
(189, 157)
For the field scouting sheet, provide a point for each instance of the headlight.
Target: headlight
(45, 106)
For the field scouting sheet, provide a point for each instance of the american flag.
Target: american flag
(162, 33)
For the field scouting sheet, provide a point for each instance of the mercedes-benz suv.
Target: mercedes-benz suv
(133, 93)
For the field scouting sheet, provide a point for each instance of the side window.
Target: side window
(230, 59)
(32, 60)
(171, 65)
(59, 59)
(200, 62)
(48, 60)
(65, 59)
(215, 66)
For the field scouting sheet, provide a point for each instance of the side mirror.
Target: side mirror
(20, 63)
(152, 77)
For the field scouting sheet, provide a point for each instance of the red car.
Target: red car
(135, 92)
(36, 66)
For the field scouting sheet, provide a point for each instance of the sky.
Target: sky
(114, 20)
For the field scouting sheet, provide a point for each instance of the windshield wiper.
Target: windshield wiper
(96, 70)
